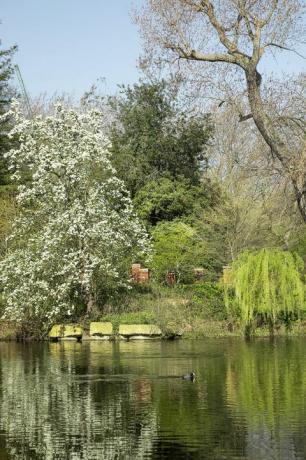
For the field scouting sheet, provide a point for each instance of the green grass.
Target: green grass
(176, 309)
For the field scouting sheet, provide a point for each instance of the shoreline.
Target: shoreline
(203, 330)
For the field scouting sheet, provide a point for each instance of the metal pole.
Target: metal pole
(24, 91)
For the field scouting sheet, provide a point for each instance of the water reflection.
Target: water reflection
(124, 400)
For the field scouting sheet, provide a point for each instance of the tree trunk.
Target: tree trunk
(300, 195)
(90, 304)
(272, 139)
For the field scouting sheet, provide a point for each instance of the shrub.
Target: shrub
(208, 300)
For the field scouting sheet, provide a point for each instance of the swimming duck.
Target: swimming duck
(190, 376)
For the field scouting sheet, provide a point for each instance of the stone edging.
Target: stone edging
(105, 331)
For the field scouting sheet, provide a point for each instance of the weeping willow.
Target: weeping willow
(267, 284)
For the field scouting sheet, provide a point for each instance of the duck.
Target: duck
(191, 376)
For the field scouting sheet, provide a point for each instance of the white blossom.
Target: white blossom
(76, 227)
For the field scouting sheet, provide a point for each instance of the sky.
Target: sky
(67, 45)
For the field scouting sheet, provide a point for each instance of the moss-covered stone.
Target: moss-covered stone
(100, 329)
(65, 330)
(139, 330)
(144, 337)
(68, 339)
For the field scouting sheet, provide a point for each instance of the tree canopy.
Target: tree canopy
(174, 250)
(268, 284)
(150, 137)
(6, 93)
(166, 199)
(76, 232)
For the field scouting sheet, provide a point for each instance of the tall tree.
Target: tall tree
(6, 93)
(261, 211)
(151, 138)
(237, 33)
(76, 232)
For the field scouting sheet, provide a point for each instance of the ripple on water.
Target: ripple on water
(127, 400)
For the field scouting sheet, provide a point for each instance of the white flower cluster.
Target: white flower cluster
(76, 228)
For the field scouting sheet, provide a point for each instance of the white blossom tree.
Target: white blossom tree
(76, 232)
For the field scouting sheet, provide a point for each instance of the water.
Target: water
(126, 400)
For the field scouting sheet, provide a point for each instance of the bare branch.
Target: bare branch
(199, 30)
(264, 22)
(244, 15)
(208, 9)
(194, 55)
(245, 117)
(285, 48)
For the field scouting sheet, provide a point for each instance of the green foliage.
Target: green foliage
(180, 247)
(8, 209)
(151, 138)
(173, 251)
(208, 301)
(298, 242)
(153, 303)
(7, 192)
(268, 286)
(6, 93)
(168, 199)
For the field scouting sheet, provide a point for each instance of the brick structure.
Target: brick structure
(140, 275)
(171, 278)
(135, 271)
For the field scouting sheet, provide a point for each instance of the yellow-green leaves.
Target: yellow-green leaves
(268, 283)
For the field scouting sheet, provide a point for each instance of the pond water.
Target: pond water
(127, 400)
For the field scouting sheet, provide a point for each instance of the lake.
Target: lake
(126, 400)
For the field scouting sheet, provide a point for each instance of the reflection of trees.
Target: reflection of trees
(82, 401)
(102, 400)
(50, 410)
(194, 416)
(266, 385)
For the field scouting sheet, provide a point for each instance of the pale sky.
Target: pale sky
(66, 45)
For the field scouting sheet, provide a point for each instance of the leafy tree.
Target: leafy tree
(7, 190)
(267, 286)
(179, 247)
(76, 230)
(168, 199)
(6, 93)
(8, 209)
(151, 138)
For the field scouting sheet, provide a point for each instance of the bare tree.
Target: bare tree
(238, 33)
(261, 209)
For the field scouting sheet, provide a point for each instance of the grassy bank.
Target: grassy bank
(177, 309)
(195, 311)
